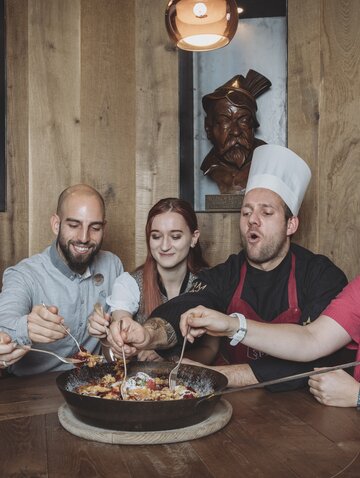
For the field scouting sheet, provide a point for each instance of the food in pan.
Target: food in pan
(87, 358)
(140, 387)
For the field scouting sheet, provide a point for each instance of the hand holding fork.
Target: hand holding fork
(100, 311)
(67, 331)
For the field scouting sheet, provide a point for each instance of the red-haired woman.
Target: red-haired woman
(174, 257)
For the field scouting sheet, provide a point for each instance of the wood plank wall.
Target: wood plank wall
(323, 125)
(157, 120)
(14, 223)
(93, 97)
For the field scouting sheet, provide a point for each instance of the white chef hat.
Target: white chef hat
(279, 169)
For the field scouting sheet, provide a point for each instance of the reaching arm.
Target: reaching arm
(285, 341)
(295, 342)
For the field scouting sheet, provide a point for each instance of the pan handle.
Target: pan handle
(282, 379)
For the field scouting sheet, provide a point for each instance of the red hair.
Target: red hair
(195, 260)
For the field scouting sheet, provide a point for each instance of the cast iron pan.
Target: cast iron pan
(143, 416)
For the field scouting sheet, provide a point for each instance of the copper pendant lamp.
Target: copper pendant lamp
(201, 25)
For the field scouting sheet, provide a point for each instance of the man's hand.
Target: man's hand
(45, 325)
(201, 320)
(155, 333)
(336, 388)
(98, 324)
(9, 354)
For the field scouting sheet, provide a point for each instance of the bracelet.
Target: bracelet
(241, 332)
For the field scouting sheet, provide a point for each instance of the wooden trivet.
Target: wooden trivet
(219, 418)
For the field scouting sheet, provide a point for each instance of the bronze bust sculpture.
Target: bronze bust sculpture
(230, 124)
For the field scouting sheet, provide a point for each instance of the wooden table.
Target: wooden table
(269, 435)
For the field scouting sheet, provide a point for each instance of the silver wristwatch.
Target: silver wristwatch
(241, 332)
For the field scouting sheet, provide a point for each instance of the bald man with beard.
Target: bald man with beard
(68, 277)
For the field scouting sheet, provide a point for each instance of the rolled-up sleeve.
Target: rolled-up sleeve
(125, 294)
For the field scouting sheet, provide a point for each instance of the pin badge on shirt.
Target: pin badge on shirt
(98, 279)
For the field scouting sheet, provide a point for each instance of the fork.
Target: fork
(62, 359)
(122, 387)
(174, 372)
(98, 308)
(100, 311)
(67, 331)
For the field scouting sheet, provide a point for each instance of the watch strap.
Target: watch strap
(241, 332)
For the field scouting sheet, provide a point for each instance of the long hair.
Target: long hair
(195, 260)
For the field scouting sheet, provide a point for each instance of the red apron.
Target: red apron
(241, 353)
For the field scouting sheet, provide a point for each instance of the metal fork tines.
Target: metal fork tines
(123, 383)
(174, 372)
(62, 359)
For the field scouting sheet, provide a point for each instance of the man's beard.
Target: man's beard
(266, 253)
(78, 263)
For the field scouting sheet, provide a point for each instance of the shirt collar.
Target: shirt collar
(58, 262)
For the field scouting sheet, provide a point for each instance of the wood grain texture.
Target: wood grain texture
(219, 235)
(92, 96)
(324, 77)
(270, 435)
(108, 115)
(14, 223)
(54, 110)
(339, 143)
(219, 418)
(28, 434)
(157, 126)
(303, 106)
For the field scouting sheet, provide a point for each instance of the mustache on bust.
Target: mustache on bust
(237, 153)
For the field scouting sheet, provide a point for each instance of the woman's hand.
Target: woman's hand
(336, 388)
(132, 335)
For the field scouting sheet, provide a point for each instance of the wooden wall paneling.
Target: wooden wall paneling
(157, 124)
(108, 115)
(219, 235)
(54, 110)
(339, 144)
(14, 222)
(304, 70)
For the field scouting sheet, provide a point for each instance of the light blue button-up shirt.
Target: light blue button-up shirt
(45, 278)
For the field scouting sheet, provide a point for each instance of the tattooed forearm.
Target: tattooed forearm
(162, 333)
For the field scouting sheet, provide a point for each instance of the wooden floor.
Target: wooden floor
(269, 435)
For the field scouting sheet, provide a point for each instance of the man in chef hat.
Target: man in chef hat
(270, 280)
